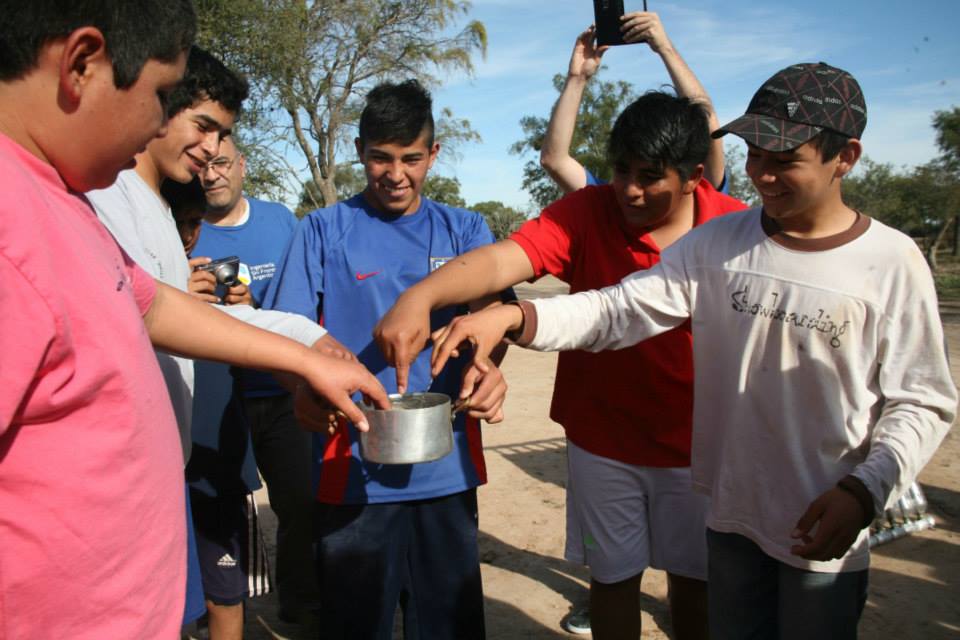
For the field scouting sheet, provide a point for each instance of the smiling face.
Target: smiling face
(124, 121)
(648, 195)
(797, 184)
(192, 140)
(222, 178)
(395, 173)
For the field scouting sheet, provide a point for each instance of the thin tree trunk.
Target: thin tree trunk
(932, 250)
(956, 235)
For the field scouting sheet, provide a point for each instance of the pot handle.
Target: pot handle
(460, 405)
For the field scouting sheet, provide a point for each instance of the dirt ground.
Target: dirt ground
(529, 587)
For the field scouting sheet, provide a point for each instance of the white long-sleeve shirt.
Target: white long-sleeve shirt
(813, 360)
(143, 225)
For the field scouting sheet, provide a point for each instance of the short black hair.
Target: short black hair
(134, 30)
(829, 143)
(665, 130)
(184, 198)
(399, 113)
(206, 78)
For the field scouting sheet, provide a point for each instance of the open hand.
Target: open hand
(483, 330)
(335, 380)
(838, 518)
(585, 59)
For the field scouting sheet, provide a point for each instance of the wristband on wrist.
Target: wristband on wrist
(528, 326)
(855, 487)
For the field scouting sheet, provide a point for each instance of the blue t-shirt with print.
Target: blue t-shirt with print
(222, 461)
(259, 243)
(348, 264)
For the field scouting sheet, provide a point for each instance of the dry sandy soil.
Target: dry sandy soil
(529, 588)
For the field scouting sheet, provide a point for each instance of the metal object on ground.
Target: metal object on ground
(416, 429)
(912, 526)
(908, 515)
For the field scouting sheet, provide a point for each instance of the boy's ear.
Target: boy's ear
(692, 180)
(434, 150)
(848, 157)
(84, 55)
(358, 145)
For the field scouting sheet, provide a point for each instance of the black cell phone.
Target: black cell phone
(606, 16)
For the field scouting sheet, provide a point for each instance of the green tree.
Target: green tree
(310, 199)
(738, 184)
(311, 63)
(878, 190)
(947, 125)
(922, 201)
(350, 181)
(501, 219)
(602, 103)
(444, 190)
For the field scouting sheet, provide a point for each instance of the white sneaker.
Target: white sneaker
(578, 621)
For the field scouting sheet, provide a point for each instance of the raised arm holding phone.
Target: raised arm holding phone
(639, 26)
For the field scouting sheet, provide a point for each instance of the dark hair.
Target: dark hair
(663, 129)
(829, 143)
(184, 198)
(134, 30)
(206, 78)
(397, 113)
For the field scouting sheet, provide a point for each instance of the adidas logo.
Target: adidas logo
(226, 561)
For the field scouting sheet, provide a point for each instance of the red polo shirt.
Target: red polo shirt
(634, 405)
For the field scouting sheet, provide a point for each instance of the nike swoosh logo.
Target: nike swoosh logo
(364, 276)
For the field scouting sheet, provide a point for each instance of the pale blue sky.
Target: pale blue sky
(903, 54)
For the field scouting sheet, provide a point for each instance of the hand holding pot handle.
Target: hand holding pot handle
(483, 392)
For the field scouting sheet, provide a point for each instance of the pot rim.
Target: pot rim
(442, 399)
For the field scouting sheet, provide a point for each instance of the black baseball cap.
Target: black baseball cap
(799, 102)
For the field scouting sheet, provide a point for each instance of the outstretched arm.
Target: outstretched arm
(182, 324)
(404, 330)
(555, 155)
(645, 26)
(644, 304)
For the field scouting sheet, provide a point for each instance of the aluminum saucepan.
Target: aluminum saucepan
(416, 429)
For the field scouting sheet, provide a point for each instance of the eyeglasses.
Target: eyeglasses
(220, 166)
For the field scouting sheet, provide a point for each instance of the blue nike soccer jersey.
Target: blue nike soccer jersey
(346, 266)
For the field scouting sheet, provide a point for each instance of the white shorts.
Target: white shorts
(623, 518)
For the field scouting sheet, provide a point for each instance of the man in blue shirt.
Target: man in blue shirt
(258, 233)
(390, 534)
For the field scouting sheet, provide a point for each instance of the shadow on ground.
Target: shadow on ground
(543, 460)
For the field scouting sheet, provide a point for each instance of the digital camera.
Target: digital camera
(225, 270)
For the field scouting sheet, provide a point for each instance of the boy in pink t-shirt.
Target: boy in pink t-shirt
(91, 498)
